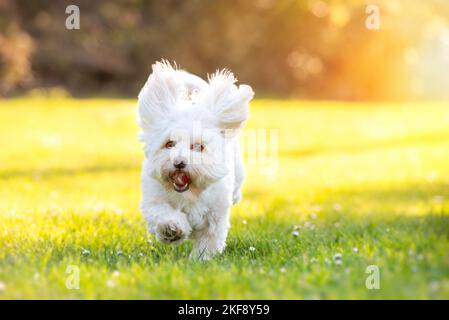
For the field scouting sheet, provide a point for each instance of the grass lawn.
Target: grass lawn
(369, 182)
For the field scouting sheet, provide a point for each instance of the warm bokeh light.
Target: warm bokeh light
(312, 49)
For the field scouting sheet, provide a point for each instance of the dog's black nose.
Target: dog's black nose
(179, 163)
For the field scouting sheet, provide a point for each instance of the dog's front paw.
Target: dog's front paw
(170, 233)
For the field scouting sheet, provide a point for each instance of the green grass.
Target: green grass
(372, 177)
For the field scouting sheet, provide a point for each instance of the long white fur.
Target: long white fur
(227, 101)
(174, 100)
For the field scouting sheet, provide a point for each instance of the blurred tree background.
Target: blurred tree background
(311, 49)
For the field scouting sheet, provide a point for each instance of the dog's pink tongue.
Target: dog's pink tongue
(181, 179)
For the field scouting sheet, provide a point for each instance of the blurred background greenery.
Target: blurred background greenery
(311, 49)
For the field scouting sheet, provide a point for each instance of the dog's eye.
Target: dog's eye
(170, 144)
(197, 147)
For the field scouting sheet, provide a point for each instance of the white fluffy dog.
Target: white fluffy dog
(193, 170)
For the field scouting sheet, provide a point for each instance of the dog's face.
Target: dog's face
(188, 125)
(189, 156)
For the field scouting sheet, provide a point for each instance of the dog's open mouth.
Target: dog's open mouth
(181, 180)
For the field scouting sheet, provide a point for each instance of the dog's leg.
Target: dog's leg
(212, 239)
(167, 224)
(239, 174)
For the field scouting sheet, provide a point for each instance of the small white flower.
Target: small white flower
(110, 283)
(2, 286)
(244, 222)
(296, 227)
(313, 216)
(295, 233)
(337, 258)
(85, 252)
(337, 225)
(309, 225)
(141, 254)
(355, 250)
(252, 249)
(119, 252)
(283, 270)
(432, 176)
(434, 286)
(99, 207)
(337, 207)
(115, 274)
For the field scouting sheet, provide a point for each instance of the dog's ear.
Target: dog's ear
(160, 94)
(228, 103)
